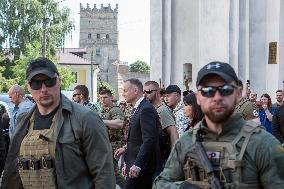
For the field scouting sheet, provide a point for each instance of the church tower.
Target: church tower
(99, 34)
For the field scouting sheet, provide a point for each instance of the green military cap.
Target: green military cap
(247, 109)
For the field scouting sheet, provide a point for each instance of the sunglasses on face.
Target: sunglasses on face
(224, 90)
(37, 84)
(148, 91)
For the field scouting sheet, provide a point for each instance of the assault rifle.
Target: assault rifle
(205, 163)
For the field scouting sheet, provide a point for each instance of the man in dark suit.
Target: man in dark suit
(142, 150)
(278, 124)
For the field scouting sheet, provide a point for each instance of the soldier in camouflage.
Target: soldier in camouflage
(81, 96)
(126, 108)
(247, 109)
(113, 118)
(241, 154)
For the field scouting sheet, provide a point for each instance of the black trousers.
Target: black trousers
(144, 181)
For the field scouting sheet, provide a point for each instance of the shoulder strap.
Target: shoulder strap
(246, 132)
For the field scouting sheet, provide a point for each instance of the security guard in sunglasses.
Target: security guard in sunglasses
(59, 143)
(223, 150)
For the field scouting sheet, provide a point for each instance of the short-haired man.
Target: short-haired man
(173, 100)
(253, 97)
(241, 154)
(279, 98)
(81, 96)
(142, 149)
(58, 144)
(168, 131)
(247, 109)
(113, 118)
(17, 97)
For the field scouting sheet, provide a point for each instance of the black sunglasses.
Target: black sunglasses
(149, 91)
(224, 90)
(76, 94)
(37, 84)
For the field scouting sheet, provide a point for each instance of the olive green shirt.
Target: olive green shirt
(263, 157)
(166, 116)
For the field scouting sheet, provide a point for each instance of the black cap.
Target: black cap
(172, 88)
(41, 66)
(223, 70)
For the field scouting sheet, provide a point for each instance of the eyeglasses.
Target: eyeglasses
(76, 94)
(37, 84)
(149, 91)
(224, 90)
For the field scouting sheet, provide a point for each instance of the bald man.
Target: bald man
(17, 97)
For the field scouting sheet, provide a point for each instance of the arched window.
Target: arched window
(89, 36)
(107, 36)
(98, 36)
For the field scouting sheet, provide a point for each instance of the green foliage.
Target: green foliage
(139, 66)
(22, 29)
(22, 22)
(104, 85)
(5, 84)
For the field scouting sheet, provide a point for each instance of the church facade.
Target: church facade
(249, 35)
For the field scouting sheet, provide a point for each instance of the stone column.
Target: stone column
(234, 34)
(156, 40)
(243, 48)
(167, 42)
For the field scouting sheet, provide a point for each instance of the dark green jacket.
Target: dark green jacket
(83, 156)
(263, 158)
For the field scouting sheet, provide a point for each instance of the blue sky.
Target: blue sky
(133, 26)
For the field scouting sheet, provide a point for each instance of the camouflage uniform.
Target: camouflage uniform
(257, 160)
(247, 109)
(127, 114)
(115, 137)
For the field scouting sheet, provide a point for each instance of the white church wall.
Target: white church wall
(243, 49)
(156, 36)
(272, 70)
(258, 46)
(281, 47)
(185, 45)
(213, 31)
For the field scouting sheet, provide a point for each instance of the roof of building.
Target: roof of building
(67, 58)
(75, 50)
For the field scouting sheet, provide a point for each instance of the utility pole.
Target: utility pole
(92, 75)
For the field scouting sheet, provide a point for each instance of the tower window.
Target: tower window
(107, 36)
(98, 36)
(98, 51)
(89, 36)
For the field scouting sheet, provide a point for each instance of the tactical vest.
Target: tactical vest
(36, 158)
(226, 160)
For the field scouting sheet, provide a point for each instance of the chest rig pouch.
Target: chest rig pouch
(36, 159)
(226, 159)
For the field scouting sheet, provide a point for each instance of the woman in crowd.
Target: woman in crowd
(192, 110)
(266, 113)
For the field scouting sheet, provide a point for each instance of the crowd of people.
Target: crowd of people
(214, 137)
